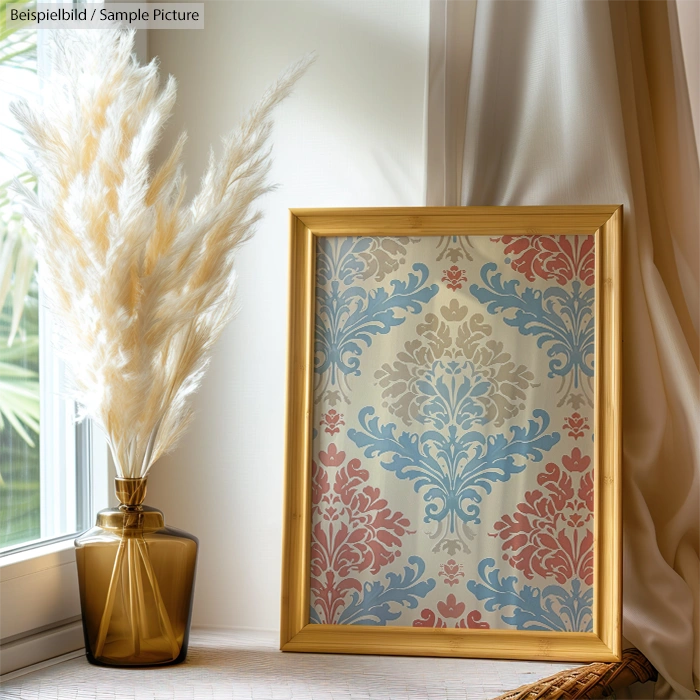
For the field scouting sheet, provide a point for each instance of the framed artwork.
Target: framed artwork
(453, 433)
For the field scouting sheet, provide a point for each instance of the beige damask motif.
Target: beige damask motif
(457, 346)
(454, 248)
(384, 256)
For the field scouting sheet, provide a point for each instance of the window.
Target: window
(54, 474)
(20, 447)
(46, 486)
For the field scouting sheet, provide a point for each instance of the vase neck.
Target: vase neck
(130, 492)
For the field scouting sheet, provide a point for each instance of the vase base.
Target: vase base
(144, 662)
(150, 653)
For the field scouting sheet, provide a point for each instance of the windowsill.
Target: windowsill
(29, 561)
(249, 664)
(41, 604)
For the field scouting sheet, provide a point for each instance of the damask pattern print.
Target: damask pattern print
(348, 315)
(453, 278)
(355, 531)
(562, 320)
(576, 426)
(332, 422)
(561, 258)
(453, 248)
(452, 612)
(454, 371)
(547, 535)
(453, 470)
(452, 432)
(451, 572)
(553, 608)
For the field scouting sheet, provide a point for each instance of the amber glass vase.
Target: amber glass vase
(136, 584)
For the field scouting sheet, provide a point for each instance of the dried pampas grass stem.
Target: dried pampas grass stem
(140, 284)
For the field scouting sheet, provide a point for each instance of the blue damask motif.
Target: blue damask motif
(454, 392)
(562, 320)
(553, 608)
(337, 258)
(347, 317)
(453, 468)
(381, 603)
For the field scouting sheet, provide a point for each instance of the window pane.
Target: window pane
(20, 495)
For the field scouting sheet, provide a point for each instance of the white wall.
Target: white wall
(352, 135)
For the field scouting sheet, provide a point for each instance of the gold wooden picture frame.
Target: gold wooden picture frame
(454, 433)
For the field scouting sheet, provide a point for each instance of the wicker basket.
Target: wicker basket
(598, 680)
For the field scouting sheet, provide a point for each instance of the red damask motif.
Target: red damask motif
(332, 458)
(353, 531)
(551, 534)
(332, 420)
(450, 609)
(561, 258)
(454, 278)
(451, 572)
(576, 425)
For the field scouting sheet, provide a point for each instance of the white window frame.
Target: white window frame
(39, 599)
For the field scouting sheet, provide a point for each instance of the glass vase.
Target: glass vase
(136, 580)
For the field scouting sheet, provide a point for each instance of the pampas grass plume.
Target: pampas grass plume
(140, 284)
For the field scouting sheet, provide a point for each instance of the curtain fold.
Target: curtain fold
(581, 103)
(449, 65)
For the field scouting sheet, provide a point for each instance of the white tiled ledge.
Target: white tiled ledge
(248, 665)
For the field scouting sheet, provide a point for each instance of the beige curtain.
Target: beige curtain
(572, 102)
